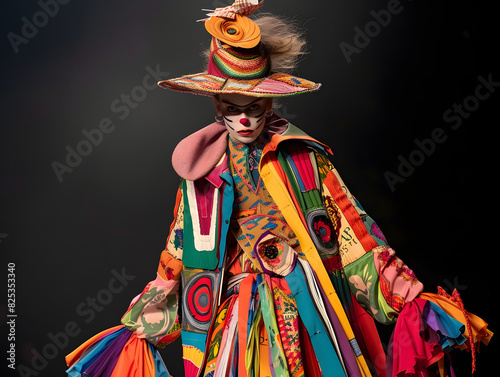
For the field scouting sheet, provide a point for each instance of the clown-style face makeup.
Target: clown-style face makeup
(244, 116)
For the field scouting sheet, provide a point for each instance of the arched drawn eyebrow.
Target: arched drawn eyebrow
(235, 105)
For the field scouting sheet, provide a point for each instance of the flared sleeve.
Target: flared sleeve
(151, 321)
(427, 325)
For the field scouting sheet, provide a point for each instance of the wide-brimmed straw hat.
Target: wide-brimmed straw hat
(237, 63)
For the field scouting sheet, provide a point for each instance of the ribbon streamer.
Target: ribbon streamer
(241, 7)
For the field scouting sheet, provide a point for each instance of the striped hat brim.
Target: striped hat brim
(274, 85)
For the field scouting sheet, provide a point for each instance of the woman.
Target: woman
(272, 267)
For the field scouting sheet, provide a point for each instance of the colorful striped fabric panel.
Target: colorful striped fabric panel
(300, 166)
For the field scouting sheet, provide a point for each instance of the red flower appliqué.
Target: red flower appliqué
(323, 230)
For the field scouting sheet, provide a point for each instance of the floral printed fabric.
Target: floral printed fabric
(288, 323)
(153, 314)
(398, 283)
(382, 283)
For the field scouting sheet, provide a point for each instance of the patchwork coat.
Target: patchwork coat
(272, 267)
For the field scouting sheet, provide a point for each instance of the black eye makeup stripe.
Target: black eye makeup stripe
(260, 117)
(248, 104)
(227, 121)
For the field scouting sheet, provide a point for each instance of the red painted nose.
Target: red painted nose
(244, 121)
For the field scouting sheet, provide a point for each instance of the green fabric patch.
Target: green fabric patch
(364, 284)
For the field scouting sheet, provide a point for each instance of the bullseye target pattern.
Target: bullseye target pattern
(322, 232)
(198, 299)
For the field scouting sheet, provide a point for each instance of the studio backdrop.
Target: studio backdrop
(408, 104)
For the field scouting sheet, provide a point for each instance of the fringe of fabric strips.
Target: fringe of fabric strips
(427, 329)
(116, 352)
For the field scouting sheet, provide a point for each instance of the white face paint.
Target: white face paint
(244, 116)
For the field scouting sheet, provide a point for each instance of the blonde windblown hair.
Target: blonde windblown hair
(282, 42)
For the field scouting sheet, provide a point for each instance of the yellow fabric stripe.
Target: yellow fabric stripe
(279, 193)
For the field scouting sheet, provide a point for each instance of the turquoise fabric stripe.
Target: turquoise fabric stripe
(193, 339)
(227, 210)
(323, 347)
(296, 172)
(160, 367)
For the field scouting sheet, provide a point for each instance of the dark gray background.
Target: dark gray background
(113, 211)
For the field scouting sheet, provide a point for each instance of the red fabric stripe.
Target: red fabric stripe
(309, 360)
(349, 212)
(371, 339)
(303, 163)
(243, 308)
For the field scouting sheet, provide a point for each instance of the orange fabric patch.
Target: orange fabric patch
(349, 212)
(169, 268)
